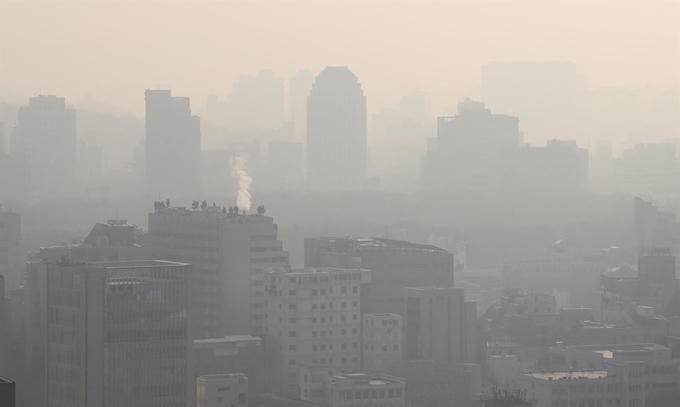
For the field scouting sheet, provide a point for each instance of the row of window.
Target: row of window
(369, 394)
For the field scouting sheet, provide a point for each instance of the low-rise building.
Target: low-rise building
(381, 342)
(361, 389)
(232, 354)
(230, 390)
(617, 386)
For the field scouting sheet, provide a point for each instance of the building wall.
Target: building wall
(11, 259)
(382, 342)
(360, 389)
(312, 319)
(225, 390)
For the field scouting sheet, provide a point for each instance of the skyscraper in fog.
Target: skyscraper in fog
(46, 135)
(230, 253)
(336, 131)
(118, 334)
(256, 103)
(173, 146)
(298, 91)
(12, 264)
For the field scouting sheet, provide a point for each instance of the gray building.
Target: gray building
(173, 146)
(336, 131)
(110, 241)
(232, 354)
(5, 328)
(440, 325)
(222, 389)
(7, 392)
(46, 135)
(11, 257)
(394, 265)
(118, 334)
(230, 253)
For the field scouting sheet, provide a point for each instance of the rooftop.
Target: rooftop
(229, 339)
(342, 244)
(594, 374)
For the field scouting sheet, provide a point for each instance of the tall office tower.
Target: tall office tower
(256, 103)
(11, 259)
(230, 253)
(46, 135)
(298, 90)
(7, 392)
(381, 341)
(336, 131)
(649, 170)
(312, 319)
(118, 334)
(543, 93)
(468, 145)
(440, 325)
(222, 390)
(394, 265)
(3, 139)
(36, 331)
(173, 146)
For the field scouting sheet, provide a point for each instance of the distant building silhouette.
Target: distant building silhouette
(46, 135)
(12, 259)
(299, 87)
(336, 131)
(465, 155)
(256, 103)
(173, 146)
(649, 170)
(285, 164)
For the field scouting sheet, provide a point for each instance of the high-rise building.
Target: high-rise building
(394, 265)
(46, 135)
(656, 229)
(336, 131)
(467, 150)
(7, 392)
(382, 341)
(173, 146)
(285, 164)
(230, 253)
(118, 334)
(222, 390)
(312, 319)
(232, 354)
(11, 259)
(256, 103)
(649, 170)
(298, 90)
(36, 331)
(440, 325)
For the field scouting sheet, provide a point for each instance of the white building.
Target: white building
(382, 340)
(222, 390)
(12, 262)
(312, 318)
(230, 253)
(361, 389)
(618, 386)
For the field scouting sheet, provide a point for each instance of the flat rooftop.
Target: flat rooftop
(229, 339)
(594, 374)
(338, 244)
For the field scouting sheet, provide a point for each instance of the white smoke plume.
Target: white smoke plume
(238, 166)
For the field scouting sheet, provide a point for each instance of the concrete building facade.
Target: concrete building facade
(222, 390)
(312, 319)
(440, 325)
(361, 389)
(11, 259)
(230, 253)
(118, 334)
(382, 342)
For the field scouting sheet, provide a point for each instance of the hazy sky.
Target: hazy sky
(115, 50)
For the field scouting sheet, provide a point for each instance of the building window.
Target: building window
(291, 334)
(292, 306)
(291, 347)
(315, 291)
(291, 292)
(343, 290)
(355, 289)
